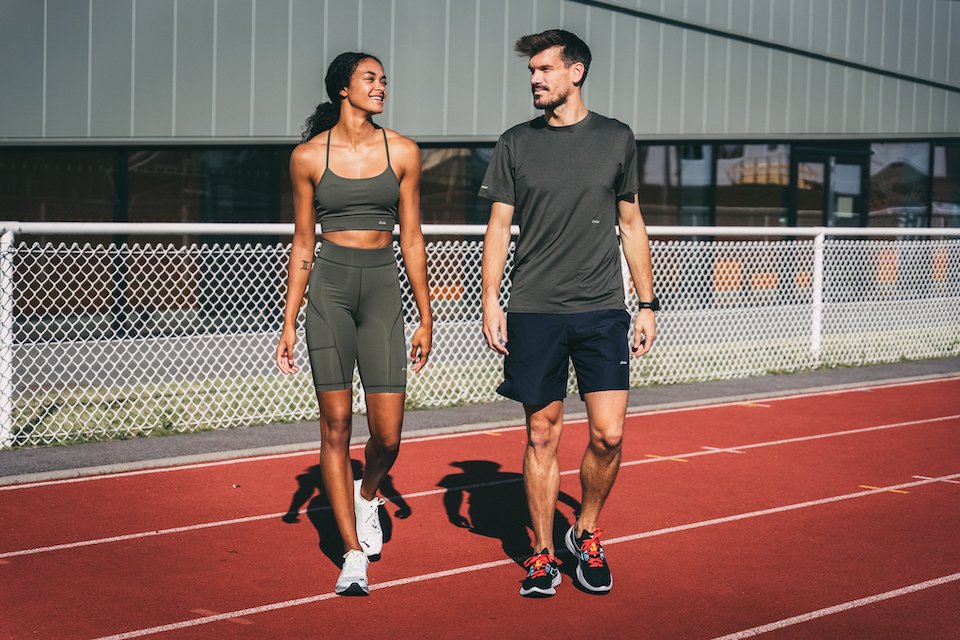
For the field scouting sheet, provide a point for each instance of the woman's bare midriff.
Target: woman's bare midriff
(359, 239)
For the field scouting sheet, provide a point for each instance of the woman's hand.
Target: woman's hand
(420, 347)
(284, 353)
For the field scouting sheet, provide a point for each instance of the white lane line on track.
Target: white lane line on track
(781, 509)
(286, 604)
(430, 492)
(846, 606)
(507, 561)
(929, 478)
(139, 535)
(460, 434)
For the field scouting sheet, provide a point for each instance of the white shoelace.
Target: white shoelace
(353, 561)
(371, 512)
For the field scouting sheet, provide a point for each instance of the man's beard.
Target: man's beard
(548, 101)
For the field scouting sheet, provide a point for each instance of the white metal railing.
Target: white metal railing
(100, 339)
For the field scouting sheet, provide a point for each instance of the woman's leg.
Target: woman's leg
(382, 362)
(385, 418)
(336, 412)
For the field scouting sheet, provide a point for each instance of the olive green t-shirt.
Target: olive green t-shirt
(564, 183)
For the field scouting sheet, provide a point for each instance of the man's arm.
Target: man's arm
(496, 245)
(636, 249)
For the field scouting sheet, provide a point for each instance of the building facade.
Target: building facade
(747, 112)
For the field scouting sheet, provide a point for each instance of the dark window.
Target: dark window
(899, 184)
(659, 184)
(449, 183)
(946, 185)
(40, 185)
(696, 184)
(752, 182)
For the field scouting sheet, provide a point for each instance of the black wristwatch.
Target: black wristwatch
(653, 305)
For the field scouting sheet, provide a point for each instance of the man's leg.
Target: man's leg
(598, 470)
(601, 461)
(541, 469)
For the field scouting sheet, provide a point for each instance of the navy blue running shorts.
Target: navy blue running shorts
(541, 344)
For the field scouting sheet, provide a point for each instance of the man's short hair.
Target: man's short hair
(573, 48)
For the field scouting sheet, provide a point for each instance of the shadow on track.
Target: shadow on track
(497, 506)
(310, 492)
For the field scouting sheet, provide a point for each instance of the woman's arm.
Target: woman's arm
(412, 246)
(302, 161)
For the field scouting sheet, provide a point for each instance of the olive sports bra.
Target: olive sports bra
(347, 204)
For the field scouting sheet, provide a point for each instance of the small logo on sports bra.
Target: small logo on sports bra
(382, 223)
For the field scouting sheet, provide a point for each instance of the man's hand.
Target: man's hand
(495, 328)
(644, 332)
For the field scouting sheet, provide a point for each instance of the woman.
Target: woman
(352, 176)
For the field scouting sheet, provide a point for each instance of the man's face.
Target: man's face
(550, 80)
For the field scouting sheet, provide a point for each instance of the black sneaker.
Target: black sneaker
(593, 573)
(543, 576)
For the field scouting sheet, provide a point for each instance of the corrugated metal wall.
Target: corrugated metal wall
(211, 70)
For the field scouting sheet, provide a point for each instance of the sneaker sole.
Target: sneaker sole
(355, 589)
(537, 592)
(569, 541)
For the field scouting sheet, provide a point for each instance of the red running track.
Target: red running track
(819, 515)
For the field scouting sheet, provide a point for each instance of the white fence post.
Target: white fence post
(6, 339)
(816, 315)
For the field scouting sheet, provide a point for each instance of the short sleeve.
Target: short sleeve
(629, 182)
(498, 182)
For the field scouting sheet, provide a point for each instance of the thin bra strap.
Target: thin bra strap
(386, 146)
(327, 165)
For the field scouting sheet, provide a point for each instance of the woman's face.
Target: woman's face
(368, 87)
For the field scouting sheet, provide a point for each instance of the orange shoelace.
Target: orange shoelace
(539, 563)
(591, 547)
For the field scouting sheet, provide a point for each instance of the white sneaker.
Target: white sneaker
(353, 575)
(367, 513)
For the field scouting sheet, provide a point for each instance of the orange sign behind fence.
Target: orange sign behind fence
(941, 265)
(887, 266)
(727, 275)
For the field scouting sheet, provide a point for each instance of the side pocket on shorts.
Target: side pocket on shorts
(319, 334)
(325, 365)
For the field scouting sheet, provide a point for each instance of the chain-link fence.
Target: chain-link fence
(111, 339)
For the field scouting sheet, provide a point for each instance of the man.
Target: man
(571, 176)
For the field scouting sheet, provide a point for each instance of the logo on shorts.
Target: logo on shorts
(595, 222)
(623, 362)
(483, 187)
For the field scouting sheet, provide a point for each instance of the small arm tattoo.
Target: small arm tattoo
(305, 265)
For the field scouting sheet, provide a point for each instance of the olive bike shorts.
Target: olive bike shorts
(355, 316)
